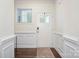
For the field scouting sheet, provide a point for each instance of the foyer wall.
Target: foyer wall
(68, 17)
(6, 17)
(37, 6)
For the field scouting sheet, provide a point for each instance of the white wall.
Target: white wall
(68, 17)
(6, 17)
(72, 18)
(37, 6)
(59, 16)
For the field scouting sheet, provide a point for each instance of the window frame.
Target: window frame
(19, 10)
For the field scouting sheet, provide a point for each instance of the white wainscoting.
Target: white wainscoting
(66, 46)
(26, 40)
(29, 40)
(71, 48)
(59, 43)
(7, 46)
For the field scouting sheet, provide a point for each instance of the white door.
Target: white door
(44, 29)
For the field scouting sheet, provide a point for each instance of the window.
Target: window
(24, 15)
(44, 19)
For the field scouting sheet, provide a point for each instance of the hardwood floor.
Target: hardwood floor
(25, 52)
(36, 53)
(44, 53)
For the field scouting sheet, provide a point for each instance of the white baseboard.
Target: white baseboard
(60, 53)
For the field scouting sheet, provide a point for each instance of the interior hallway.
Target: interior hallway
(26, 25)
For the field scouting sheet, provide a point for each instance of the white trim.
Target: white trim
(72, 40)
(70, 46)
(58, 49)
(58, 33)
(26, 40)
(7, 42)
(60, 53)
(3, 39)
(71, 37)
(7, 37)
(28, 32)
(5, 48)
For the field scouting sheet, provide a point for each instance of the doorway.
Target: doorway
(34, 24)
(44, 29)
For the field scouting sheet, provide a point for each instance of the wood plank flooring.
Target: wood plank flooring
(36, 53)
(44, 53)
(25, 52)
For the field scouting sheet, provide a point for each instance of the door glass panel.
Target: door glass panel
(44, 19)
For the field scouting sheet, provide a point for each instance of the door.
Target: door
(44, 29)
